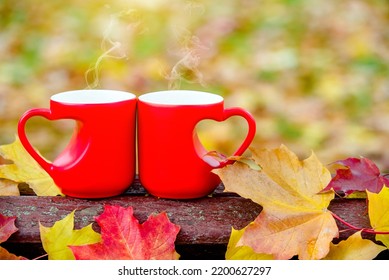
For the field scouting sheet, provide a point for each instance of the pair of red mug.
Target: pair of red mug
(99, 160)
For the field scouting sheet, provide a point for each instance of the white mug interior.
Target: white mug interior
(92, 96)
(180, 97)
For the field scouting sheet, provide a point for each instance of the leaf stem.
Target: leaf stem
(367, 230)
(37, 258)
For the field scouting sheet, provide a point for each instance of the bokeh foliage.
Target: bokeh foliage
(315, 73)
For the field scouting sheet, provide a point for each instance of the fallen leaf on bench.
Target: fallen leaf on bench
(7, 228)
(25, 169)
(124, 238)
(5, 255)
(9, 188)
(354, 248)
(357, 175)
(235, 252)
(294, 219)
(378, 213)
(57, 239)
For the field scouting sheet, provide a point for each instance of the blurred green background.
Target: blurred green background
(314, 73)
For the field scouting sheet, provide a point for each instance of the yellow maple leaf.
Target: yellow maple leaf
(56, 239)
(379, 213)
(295, 219)
(25, 169)
(235, 252)
(354, 248)
(8, 188)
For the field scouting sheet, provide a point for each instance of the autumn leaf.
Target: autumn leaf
(378, 207)
(9, 188)
(357, 174)
(25, 169)
(7, 228)
(57, 239)
(5, 255)
(294, 219)
(235, 252)
(354, 248)
(216, 159)
(124, 238)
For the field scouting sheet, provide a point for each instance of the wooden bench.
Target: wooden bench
(205, 223)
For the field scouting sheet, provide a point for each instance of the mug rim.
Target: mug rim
(180, 97)
(92, 96)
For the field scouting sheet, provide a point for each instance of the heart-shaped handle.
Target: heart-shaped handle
(42, 112)
(217, 160)
(236, 111)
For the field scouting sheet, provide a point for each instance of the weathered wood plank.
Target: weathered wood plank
(353, 211)
(203, 221)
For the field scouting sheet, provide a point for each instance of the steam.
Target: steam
(92, 75)
(112, 49)
(187, 51)
(187, 67)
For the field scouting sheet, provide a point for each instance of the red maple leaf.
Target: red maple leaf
(124, 238)
(357, 174)
(7, 227)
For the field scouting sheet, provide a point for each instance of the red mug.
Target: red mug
(99, 160)
(170, 155)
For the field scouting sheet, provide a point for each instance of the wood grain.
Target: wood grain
(205, 223)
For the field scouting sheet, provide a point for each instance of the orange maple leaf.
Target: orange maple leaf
(295, 219)
(124, 238)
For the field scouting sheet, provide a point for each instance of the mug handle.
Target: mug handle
(236, 111)
(46, 113)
